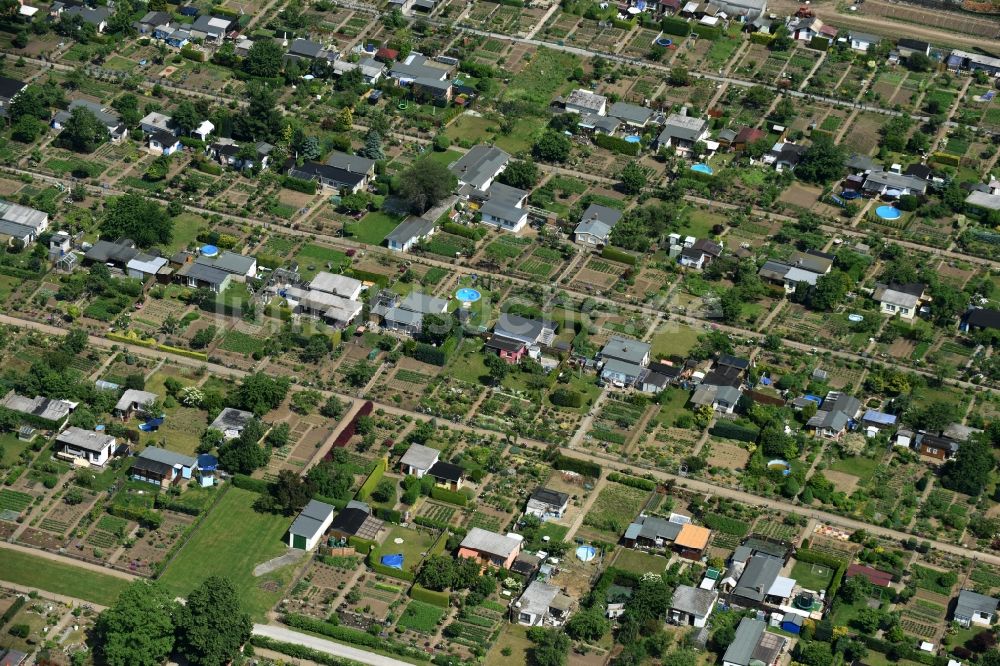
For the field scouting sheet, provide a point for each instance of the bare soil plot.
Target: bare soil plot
(801, 195)
(728, 455)
(842, 481)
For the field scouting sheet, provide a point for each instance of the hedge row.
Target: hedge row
(360, 545)
(249, 483)
(354, 636)
(389, 515)
(180, 351)
(903, 650)
(367, 276)
(584, 467)
(706, 32)
(726, 524)
(946, 159)
(614, 254)
(617, 145)
(675, 26)
(376, 475)
(421, 593)
(424, 521)
(373, 561)
(145, 517)
(450, 496)
(761, 38)
(633, 481)
(462, 230)
(297, 651)
(13, 271)
(735, 431)
(8, 614)
(166, 503)
(426, 353)
(299, 184)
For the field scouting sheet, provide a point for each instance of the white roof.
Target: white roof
(899, 298)
(796, 274)
(420, 457)
(489, 542)
(340, 285)
(206, 127)
(150, 265)
(25, 10)
(135, 397)
(782, 587)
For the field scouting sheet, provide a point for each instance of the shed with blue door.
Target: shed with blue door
(792, 623)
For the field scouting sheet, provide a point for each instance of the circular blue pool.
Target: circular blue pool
(702, 168)
(633, 138)
(888, 212)
(209, 250)
(468, 295)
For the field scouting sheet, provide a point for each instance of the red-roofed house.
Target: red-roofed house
(746, 136)
(386, 55)
(875, 577)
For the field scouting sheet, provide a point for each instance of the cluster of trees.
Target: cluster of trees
(245, 454)
(289, 492)
(443, 572)
(145, 626)
(424, 184)
(139, 218)
(642, 226)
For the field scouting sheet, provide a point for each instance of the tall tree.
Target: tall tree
(136, 217)
(212, 625)
(138, 630)
(552, 147)
(83, 132)
(264, 59)
(969, 471)
(633, 178)
(424, 184)
(522, 174)
(260, 393)
(822, 162)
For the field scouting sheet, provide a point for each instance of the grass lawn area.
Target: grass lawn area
(181, 429)
(24, 569)
(422, 617)
(186, 227)
(926, 395)
(814, 577)
(544, 77)
(231, 541)
(413, 544)
(314, 258)
(514, 637)
(639, 562)
(445, 157)
(674, 399)
(373, 227)
(859, 466)
(700, 223)
(7, 285)
(468, 365)
(470, 128)
(674, 340)
(521, 137)
(242, 343)
(235, 294)
(585, 385)
(11, 448)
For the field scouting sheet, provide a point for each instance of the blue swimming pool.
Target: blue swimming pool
(702, 168)
(634, 138)
(888, 212)
(468, 295)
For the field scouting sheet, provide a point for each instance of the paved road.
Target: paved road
(329, 647)
(754, 500)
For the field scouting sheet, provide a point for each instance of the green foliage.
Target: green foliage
(421, 593)
(212, 625)
(616, 144)
(621, 256)
(730, 430)
(450, 496)
(376, 475)
(633, 481)
(582, 467)
(565, 397)
(136, 217)
(299, 184)
(138, 630)
(726, 524)
(672, 25)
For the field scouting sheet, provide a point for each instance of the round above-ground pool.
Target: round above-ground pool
(855, 317)
(586, 553)
(633, 138)
(888, 212)
(468, 295)
(209, 250)
(782, 465)
(702, 168)
(663, 41)
(850, 195)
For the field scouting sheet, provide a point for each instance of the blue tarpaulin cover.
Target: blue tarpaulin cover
(151, 425)
(394, 561)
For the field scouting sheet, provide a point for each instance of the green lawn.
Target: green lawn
(413, 544)
(24, 569)
(186, 228)
(700, 223)
(859, 466)
(444, 157)
(11, 448)
(673, 401)
(639, 562)
(421, 617)
(674, 340)
(468, 365)
(373, 227)
(814, 577)
(314, 258)
(470, 128)
(231, 541)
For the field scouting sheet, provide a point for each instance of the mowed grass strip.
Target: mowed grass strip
(231, 541)
(26, 569)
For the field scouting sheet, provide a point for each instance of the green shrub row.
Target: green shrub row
(810, 556)
(367, 276)
(735, 431)
(166, 503)
(450, 496)
(675, 26)
(145, 517)
(614, 254)
(584, 467)
(421, 593)
(613, 143)
(249, 483)
(376, 475)
(706, 32)
(180, 351)
(946, 159)
(633, 481)
(9, 614)
(299, 184)
(472, 233)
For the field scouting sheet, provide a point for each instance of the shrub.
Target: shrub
(728, 430)
(613, 143)
(450, 496)
(633, 481)
(566, 398)
(583, 467)
(421, 593)
(299, 185)
(614, 254)
(675, 26)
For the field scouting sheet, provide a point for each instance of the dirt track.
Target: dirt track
(883, 26)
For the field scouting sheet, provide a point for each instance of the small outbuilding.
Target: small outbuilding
(310, 525)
